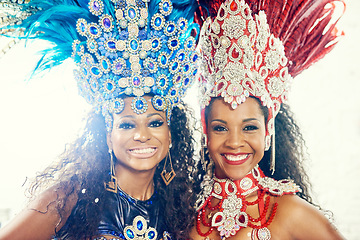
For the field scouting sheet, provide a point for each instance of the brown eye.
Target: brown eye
(156, 123)
(251, 128)
(219, 128)
(126, 126)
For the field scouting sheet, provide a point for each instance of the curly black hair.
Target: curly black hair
(290, 152)
(85, 165)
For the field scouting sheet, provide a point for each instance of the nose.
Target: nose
(235, 140)
(142, 134)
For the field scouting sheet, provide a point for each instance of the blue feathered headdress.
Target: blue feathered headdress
(122, 47)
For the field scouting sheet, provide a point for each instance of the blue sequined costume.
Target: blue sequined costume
(126, 218)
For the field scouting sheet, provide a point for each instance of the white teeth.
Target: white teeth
(236, 157)
(142, 150)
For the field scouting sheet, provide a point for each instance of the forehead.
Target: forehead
(248, 109)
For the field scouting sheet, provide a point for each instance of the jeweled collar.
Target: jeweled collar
(230, 213)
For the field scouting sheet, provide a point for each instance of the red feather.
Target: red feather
(299, 24)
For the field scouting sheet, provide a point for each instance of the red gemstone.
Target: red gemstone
(220, 85)
(233, 6)
(222, 12)
(242, 219)
(235, 53)
(231, 188)
(218, 219)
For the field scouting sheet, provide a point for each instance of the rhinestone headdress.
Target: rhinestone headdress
(242, 55)
(123, 48)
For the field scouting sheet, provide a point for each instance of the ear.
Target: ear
(108, 140)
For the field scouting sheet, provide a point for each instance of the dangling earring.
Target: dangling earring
(272, 157)
(202, 151)
(168, 176)
(111, 186)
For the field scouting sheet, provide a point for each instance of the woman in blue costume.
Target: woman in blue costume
(127, 175)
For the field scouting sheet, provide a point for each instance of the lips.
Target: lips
(235, 159)
(143, 152)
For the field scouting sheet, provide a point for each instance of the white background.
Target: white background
(38, 117)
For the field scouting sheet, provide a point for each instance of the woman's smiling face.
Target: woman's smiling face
(236, 137)
(139, 141)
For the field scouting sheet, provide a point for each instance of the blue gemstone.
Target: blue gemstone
(174, 43)
(82, 27)
(186, 81)
(195, 71)
(182, 25)
(178, 79)
(96, 6)
(162, 82)
(139, 225)
(109, 86)
(118, 66)
(190, 44)
(136, 81)
(85, 72)
(173, 92)
(94, 30)
(151, 235)
(195, 57)
(94, 85)
(186, 68)
(105, 64)
(95, 70)
(139, 104)
(163, 60)
(151, 66)
(134, 45)
(176, 100)
(181, 56)
(132, 13)
(107, 23)
(158, 21)
(130, 234)
(159, 102)
(166, 6)
(171, 28)
(117, 104)
(174, 66)
(155, 43)
(92, 45)
(111, 45)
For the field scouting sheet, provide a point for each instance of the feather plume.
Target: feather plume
(55, 21)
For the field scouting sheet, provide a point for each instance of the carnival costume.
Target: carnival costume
(122, 48)
(254, 48)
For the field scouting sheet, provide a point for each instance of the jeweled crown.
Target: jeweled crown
(240, 57)
(129, 53)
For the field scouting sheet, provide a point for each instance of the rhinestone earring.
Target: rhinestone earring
(111, 186)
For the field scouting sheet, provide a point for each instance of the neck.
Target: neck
(137, 184)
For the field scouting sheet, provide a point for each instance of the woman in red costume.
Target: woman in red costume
(250, 52)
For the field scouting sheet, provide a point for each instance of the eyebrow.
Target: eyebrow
(147, 116)
(245, 120)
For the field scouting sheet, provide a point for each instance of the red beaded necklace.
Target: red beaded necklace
(231, 214)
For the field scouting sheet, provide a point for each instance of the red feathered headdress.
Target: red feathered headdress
(255, 48)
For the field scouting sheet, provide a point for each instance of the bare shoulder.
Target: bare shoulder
(41, 217)
(303, 220)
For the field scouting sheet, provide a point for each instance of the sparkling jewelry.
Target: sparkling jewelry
(229, 215)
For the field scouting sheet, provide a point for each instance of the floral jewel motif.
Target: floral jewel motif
(128, 52)
(140, 230)
(232, 204)
(241, 58)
